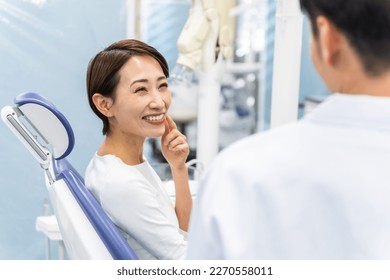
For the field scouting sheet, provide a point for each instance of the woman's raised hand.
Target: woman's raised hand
(174, 144)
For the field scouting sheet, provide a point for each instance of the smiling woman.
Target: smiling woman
(141, 94)
(128, 90)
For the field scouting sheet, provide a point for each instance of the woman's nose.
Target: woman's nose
(157, 101)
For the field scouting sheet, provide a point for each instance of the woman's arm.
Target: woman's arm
(175, 150)
(183, 203)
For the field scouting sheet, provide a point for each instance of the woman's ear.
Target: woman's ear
(329, 39)
(103, 104)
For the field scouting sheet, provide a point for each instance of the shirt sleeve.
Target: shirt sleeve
(135, 206)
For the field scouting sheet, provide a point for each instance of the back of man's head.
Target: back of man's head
(365, 23)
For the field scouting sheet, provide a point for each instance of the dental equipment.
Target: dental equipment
(287, 62)
(199, 44)
(206, 40)
(87, 231)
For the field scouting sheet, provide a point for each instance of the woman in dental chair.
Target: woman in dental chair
(128, 90)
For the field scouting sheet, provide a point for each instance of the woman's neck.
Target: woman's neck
(128, 149)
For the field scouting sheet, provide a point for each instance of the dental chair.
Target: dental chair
(87, 231)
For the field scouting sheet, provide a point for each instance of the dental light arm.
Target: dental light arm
(205, 41)
(287, 62)
(205, 16)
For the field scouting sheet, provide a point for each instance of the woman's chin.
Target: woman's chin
(156, 134)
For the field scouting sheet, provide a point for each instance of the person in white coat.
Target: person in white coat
(318, 188)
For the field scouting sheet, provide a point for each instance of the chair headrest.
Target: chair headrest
(50, 123)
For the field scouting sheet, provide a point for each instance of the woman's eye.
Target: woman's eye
(164, 85)
(140, 90)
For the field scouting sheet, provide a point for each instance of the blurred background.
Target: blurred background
(45, 47)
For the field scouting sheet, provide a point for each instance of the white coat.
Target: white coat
(315, 189)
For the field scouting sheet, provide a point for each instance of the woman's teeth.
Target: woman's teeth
(154, 118)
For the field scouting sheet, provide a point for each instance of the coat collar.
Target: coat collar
(359, 111)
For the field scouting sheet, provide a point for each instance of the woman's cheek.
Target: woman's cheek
(168, 99)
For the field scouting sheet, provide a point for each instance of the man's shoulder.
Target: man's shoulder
(265, 140)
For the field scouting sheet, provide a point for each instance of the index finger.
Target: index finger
(170, 122)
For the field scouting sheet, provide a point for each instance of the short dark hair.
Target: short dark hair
(103, 70)
(365, 23)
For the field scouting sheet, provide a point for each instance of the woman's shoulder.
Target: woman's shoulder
(99, 165)
(111, 179)
(108, 169)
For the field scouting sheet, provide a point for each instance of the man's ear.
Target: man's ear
(329, 38)
(103, 104)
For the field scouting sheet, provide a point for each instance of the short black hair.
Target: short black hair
(365, 23)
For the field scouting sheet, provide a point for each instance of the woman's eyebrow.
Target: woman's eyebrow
(139, 81)
(146, 80)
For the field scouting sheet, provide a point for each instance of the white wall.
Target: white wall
(45, 47)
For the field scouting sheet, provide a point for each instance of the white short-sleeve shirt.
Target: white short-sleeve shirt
(136, 201)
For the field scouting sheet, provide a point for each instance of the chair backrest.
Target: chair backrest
(87, 231)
